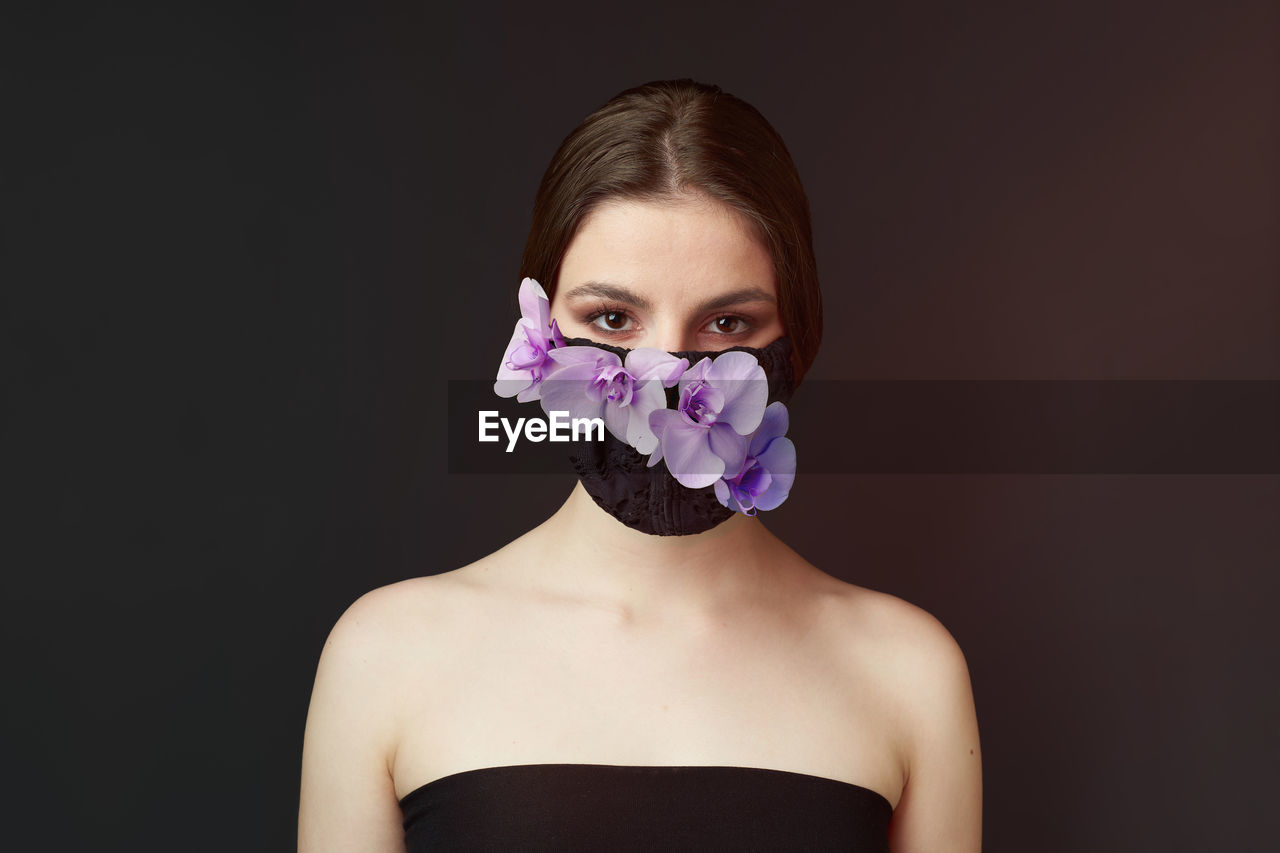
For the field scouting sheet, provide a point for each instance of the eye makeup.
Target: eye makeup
(599, 316)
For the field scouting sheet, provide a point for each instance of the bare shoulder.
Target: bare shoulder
(922, 677)
(887, 630)
(931, 665)
(365, 649)
(389, 620)
(917, 655)
(348, 797)
(386, 608)
(386, 634)
(915, 641)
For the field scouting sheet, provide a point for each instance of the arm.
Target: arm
(348, 800)
(941, 806)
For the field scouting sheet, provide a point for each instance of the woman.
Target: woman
(660, 673)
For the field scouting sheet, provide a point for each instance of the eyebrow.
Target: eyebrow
(618, 293)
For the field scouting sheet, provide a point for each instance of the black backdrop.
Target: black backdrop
(244, 249)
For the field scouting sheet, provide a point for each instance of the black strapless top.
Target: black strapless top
(570, 807)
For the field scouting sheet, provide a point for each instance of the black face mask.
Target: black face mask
(649, 499)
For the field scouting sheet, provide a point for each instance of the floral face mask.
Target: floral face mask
(690, 437)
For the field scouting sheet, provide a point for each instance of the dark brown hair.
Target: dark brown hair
(671, 137)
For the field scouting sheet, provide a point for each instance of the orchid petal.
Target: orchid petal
(528, 395)
(772, 425)
(512, 380)
(649, 363)
(729, 446)
(645, 399)
(756, 481)
(616, 419)
(566, 356)
(689, 457)
(745, 388)
(779, 459)
(565, 390)
(695, 374)
(660, 421)
(534, 304)
(709, 396)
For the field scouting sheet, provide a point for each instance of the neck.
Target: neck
(583, 549)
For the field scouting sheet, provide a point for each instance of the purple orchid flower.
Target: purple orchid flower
(525, 364)
(588, 382)
(722, 401)
(764, 478)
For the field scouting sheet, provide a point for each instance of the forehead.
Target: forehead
(696, 246)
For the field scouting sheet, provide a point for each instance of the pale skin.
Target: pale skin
(584, 641)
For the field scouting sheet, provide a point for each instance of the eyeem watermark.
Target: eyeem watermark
(560, 428)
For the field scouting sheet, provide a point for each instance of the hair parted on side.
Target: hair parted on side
(672, 137)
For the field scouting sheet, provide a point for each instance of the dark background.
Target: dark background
(245, 248)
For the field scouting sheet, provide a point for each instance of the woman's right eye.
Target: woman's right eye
(610, 321)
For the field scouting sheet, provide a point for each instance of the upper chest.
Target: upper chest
(547, 685)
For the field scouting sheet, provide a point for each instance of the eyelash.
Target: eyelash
(602, 309)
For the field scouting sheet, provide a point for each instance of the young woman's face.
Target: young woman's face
(685, 275)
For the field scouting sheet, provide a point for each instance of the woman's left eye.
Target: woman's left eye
(727, 325)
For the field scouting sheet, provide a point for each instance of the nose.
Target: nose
(672, 343)
(668, 333)
(670, 339)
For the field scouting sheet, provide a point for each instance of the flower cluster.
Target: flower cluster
(721, 433)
